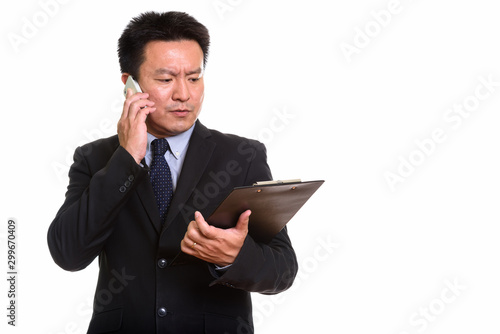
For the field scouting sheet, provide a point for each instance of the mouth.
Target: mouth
(180, 112)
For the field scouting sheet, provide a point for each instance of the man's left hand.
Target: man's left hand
(212, 244)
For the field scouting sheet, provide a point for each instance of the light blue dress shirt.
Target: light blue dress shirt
(175, 156)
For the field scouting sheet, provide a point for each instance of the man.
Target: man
(142, 210)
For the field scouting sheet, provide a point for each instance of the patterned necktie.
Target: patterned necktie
(161, 178)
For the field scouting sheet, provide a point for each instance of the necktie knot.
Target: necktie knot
(160, 147)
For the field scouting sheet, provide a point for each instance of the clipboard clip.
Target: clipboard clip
(267, 183)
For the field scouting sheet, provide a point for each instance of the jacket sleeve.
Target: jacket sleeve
(94, 196)
(267, 268)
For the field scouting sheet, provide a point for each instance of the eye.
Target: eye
(164, 80)
(194, 79)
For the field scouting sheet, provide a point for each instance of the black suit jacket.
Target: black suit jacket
(144, 286)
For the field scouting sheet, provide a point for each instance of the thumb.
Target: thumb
(242, 224)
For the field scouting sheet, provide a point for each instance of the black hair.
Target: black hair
(154, 26)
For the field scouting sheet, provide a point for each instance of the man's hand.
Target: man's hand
(212, 244)
(132, 130)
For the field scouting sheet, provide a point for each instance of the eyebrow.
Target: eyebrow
(168, 71)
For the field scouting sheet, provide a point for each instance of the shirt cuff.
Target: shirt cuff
(222, 268)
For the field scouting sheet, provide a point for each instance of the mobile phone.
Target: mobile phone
(131, 83)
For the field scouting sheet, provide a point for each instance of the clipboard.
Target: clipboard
(273, 204)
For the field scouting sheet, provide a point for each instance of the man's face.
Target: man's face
(172, 75)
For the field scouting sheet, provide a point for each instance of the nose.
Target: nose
(181, 91)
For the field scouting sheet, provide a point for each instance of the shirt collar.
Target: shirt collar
(177, 143)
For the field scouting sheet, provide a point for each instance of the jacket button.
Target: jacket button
(162, 312)
(131, 178)
(162, 263)
(127, 183)
(123, 189)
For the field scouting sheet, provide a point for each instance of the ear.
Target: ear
(125, 77)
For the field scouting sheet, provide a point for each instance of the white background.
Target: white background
(374, 259)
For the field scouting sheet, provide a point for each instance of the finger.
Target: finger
(243, 220)
(137, 105)
(126, 104)
(185, 248)
(130, 100)
(187, 240)
(193, 233)
(205, 229)
(189, 246)
(144, 112)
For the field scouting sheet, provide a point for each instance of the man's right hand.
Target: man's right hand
(132, 130)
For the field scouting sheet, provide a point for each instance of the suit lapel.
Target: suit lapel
(145, 193)
(197, 157)
(148, 200)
